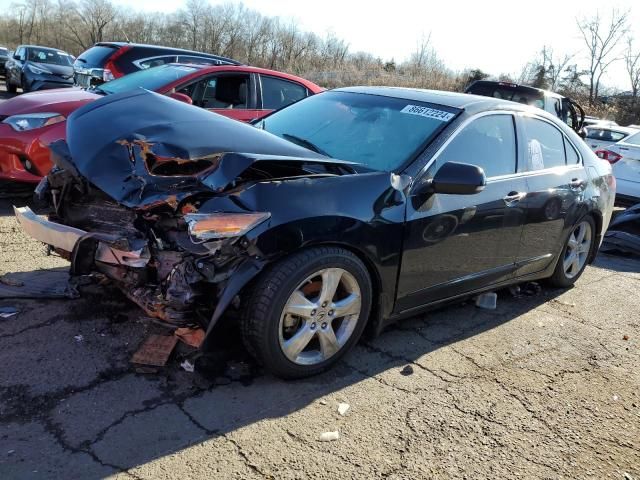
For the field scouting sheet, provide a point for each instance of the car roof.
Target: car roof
(168, 49)
(248, 69)
(464, 101)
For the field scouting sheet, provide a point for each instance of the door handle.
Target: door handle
(513, 198)
(577, 184)
(623, 148)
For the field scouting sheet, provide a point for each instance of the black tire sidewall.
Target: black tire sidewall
(559, 277)
(280, 364)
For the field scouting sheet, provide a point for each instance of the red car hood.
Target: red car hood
(62, 100)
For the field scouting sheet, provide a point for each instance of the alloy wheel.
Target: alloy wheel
(320, 316)
(577, 250)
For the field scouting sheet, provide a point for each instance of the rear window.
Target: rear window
(634, 139)
(96, 56)
(3, 51)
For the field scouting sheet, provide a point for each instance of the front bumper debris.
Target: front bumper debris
(65, 238)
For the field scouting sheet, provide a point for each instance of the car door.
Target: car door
(627, 168)
(227, 93)
(556, 181)
(454, 244)
(275, 93)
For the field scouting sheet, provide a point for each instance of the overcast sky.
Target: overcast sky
(496, 36)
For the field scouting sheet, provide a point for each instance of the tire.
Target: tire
(11, 88)
(23, 86)
(296, 283)
(563, 277)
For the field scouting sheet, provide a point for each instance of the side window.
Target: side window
(488, 142)
(278, 93)
(572, 155)
(545, 145)
(594, 133)
(21, 53)
(155, 62)
(217, 92)
(197, 60)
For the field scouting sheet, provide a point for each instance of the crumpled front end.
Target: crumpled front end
(126, 202)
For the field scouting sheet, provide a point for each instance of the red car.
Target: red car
(30, 122)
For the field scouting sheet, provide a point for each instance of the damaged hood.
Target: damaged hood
(140, 148)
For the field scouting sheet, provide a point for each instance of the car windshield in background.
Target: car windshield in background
(150, 79)
(383, 133)
(51, 57)
(4, 51)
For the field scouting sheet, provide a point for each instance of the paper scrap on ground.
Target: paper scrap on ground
(155, 350)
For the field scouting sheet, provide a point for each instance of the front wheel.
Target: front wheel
(575, 253)
(11, 88)
(308, 310)
(24, 85)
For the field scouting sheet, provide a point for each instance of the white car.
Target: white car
(602, 136)
(624, 157)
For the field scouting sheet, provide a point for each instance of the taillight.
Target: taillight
(110, 68)
(609, 156)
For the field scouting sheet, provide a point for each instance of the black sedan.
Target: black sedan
(34, 68)
(436, 196)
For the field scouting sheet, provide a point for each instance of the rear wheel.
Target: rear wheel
(307, 311)
(574, 256)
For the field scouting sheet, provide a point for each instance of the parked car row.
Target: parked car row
(4, 56)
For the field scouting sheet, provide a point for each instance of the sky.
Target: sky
(495, 36)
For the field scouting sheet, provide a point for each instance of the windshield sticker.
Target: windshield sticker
(428, 112)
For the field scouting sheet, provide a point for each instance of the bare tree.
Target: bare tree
(602, 38)
(632, 63)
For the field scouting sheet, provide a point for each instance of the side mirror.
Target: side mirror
(16, 57)
(181, 97)
(455, 179)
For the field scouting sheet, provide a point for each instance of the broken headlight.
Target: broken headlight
(211, 226)
(29, 121)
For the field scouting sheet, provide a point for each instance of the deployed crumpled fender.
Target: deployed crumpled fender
(624, 233)
(153, 147)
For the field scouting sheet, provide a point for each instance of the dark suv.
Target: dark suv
(562, 107)
(108, 60)
(4, 56)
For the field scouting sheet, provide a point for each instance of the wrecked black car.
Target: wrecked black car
(344, 211)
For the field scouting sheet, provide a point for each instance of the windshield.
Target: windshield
(4, 51)
(506, 92)
(150, 79)
(51, 57)
(383, 133)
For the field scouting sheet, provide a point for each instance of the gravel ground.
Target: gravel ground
(545, 386)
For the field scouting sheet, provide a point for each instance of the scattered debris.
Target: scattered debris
(615, 398)
(237, 370)
(323, 402)
(343, 408)
(187, 366)
(406, 371)
(8, 312)
(329, 436)
(191, 336)
(79, 338)
(625, 337)
(155, 350)
(488, 301)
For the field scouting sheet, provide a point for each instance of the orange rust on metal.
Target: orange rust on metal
(155, 350)
(191, 336)
(147, 155)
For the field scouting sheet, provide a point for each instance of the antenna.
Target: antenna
(125, 35)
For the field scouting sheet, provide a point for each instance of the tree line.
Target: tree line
(234, 31)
